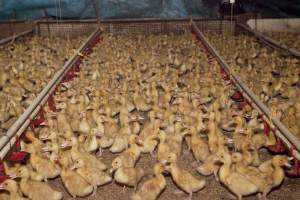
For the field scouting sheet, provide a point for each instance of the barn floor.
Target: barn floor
(213, 190)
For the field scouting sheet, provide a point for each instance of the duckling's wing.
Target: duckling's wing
(238, 184)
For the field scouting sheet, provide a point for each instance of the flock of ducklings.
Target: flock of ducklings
(145, 95)
(271, 76)
(25, 69)
(289, 39)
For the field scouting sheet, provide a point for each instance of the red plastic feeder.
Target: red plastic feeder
(237, 96)
(278, 147)
(17, 156)
(266, 128)
(3, 178)
(51, 103)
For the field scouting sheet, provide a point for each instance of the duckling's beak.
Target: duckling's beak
(13, 176)
(112, 170)
(44, 123)
(178, 119)
(46, 149)
(64, 145)
(43, 138)
(230, 141)
(287, 164)
(73, 167)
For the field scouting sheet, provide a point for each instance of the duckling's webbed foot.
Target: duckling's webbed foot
(178, 192)
(190, 196)
(194, 164)
(94, 190)
(99, 153)
(124, 189)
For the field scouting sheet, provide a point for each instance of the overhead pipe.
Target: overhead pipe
(280, 130)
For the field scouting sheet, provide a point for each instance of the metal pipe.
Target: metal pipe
(10, 38)
(24, 120)
(290, 140)
(270, 41)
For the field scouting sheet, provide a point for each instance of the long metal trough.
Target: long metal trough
(269, 41)
(14, 37)
(8, 140)
(280, 130)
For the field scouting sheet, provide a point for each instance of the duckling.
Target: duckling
(12, 187)
(199, 147)
(121, 140)
(128, 176)
(63, 125)
(91, 142)
(10, 170)
(76, 154)
(84, 125)
(36, 190)
(235, 182)
(93, 176)
(139, 102)
(163, 148)
(75, 184)
(267, 181)
(43, 166)
(38, 145)
(149, 144)
(151, 189)
(175, 141)
(183, 179)
(129, 157)
(209, 167)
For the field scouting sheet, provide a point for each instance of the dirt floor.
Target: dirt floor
(213, 190)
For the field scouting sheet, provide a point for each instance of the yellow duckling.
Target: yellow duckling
(199, 147)
(43, 166)
(163, 148)
(151, 189)
(76, 154)
(128, 176)
(235, 182)
(36, 190)
(75, 184)
(84, 125)
(12, 187)
(175, 141)
(183, 179)
(91, 143)
(129, 157)
(93, 176)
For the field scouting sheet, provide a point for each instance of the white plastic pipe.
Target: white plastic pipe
(281, 131)
(24, 120)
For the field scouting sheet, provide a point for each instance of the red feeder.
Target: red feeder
(3, 178)
(17, 156)
(278, 147)
(237, 96)
(51, 103)
(2, 166)
(38, 120)
(266, 128)
(242, 104)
